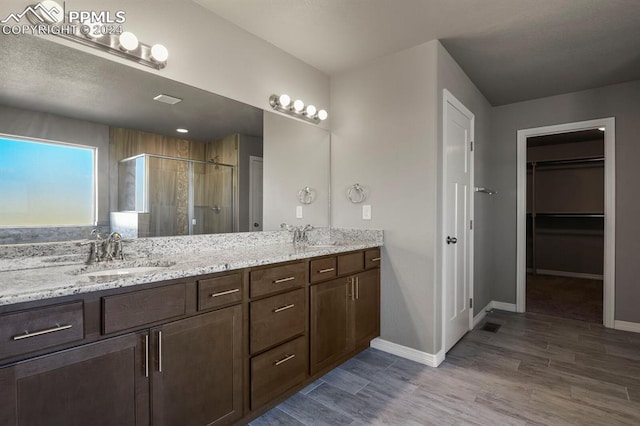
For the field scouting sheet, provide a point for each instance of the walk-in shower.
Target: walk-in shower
(177, 196)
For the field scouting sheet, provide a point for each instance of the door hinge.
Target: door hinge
(471, 225)
(470, 303)
(471, 145)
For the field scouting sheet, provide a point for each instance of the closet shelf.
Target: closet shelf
(568, 215)
(566, 161)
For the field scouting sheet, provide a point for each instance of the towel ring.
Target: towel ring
(356, 193)
(306, 195)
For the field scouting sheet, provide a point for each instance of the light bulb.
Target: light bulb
(311, 110)
(322, 114)
(181, 130)
(128, 41)
(298, 105)
(159, 53)
(90, 29)
(284, 100)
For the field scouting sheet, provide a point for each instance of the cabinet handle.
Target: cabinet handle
(159, 351)
(324, 271)
(27, 335)
(146, 355)
(285, 359)
(224, 293)
(357, 288)
(284, 280)
(353, 289)
(284, 308)
(375, 259)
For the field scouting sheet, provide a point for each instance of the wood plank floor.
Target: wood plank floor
(566, 297)
(536, 370)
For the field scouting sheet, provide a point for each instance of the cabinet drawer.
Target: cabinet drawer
(124, 311)
(372, 258)
(277, 370)
(323, 269)
(220, 291)
(278, 278)
(36, 329)
(350, 263)
(276, 319)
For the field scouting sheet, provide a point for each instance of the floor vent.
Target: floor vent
(491, 326)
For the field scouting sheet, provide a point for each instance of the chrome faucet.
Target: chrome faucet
(104, 249)
(300, 236)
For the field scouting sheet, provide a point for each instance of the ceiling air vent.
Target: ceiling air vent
(166, 99)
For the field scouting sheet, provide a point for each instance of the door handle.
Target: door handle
(452, 240)
(256, 224)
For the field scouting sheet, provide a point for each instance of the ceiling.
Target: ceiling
(44, 76)
(513, 50)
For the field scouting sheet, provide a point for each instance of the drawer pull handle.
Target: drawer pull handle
(27, 335)
(224, 293)
(375, 259)
(324, 271)
(284, 308)
(284, 280)
(285, 359)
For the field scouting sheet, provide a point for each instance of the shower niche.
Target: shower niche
(165, 196)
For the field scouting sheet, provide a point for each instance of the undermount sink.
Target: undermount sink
(122, 272)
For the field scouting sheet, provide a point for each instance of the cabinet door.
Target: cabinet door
(329, 322)
(367, 307)
(197, 363)
(101, 383)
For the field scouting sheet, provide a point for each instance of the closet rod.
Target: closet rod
(574, 160)
(574, 215)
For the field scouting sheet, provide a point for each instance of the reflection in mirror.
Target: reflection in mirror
(209, 180)
(296, 156)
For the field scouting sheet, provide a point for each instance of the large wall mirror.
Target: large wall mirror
(237, 169)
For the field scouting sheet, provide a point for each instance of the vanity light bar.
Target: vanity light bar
(125, 45)
(297, 108)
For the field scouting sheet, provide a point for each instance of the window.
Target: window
(46, 183)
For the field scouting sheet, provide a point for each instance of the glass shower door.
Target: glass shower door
(213, 199)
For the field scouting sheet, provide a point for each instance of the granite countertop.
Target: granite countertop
(41, 277)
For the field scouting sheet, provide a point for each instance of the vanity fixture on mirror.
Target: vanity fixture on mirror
(297, 108)
(356, 193)
(306, 195)
(97, 30)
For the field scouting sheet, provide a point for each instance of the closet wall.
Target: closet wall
(565, 204)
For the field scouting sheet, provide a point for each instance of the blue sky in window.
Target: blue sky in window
(44, 184)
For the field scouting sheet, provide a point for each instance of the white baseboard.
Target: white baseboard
(627, 326)
(569, 274)
(408, 353)
(502, 306)
(483, 313)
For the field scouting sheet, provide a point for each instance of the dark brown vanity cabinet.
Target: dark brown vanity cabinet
(102, 383)
(196, 365)
(215, 349)
(344, 313)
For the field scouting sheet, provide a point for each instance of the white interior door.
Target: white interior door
(255, 193)
(457, 216)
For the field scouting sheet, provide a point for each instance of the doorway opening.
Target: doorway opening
(566, 210)
(565, 224)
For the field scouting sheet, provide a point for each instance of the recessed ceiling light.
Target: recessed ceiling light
(166, 99)
(182, 130)
(601, 129)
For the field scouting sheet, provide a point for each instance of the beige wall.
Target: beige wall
(620, 101)
(384, 137)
